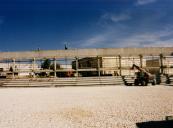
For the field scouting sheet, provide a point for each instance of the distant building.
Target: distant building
(22, 69)
(65, 66)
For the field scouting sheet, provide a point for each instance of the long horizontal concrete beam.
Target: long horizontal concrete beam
(166, 51)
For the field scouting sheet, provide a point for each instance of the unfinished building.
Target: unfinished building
(96, 62)
(108, 66)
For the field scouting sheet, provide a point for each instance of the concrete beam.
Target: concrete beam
(166, 51)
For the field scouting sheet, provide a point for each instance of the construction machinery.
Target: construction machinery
(143, 77)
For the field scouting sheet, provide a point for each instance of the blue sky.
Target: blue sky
(49, 24)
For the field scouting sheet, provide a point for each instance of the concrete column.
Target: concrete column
(13, 67)
(33, 67)
(77, 66)
(120, 65)
(141, 60)
(161, 63)
(55, 67)
(98, 66)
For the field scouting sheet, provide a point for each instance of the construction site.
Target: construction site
(86, 64)
(84, 88)
(111, 66)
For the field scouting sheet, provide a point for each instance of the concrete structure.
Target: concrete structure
(109, 65)
(165, 51)
(113, 60)
(167, 64)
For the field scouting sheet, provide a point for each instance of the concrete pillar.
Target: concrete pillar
(161, 63)
(33, 67)
(55, 67)
(120, 65)
(13, 67)
(98, 66)
(77, 66)
(141, 60)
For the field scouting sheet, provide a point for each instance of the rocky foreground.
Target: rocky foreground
(84, 107)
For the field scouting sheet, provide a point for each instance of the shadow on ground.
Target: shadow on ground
(155, 124)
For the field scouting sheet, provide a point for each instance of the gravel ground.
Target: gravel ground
(84, 107)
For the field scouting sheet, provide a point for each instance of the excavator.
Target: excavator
(143, 77)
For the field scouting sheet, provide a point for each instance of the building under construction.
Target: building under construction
(90, 62)
(107, 66)
(116, 66)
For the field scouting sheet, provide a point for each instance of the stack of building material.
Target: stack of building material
(129, 80)
(171, 80)
(70, 81)
(163, 80)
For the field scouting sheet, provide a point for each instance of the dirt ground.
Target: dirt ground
(84, 107)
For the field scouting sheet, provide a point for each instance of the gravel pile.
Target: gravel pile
(84, 107)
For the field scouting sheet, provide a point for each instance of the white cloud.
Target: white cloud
(148, 40)
(122, 34)
(116, 17)
(144, 2)
(94, 41)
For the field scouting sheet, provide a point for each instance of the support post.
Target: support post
(98, 66)
(161, 63)
(141, 62)
(13, 67)
(77, 66)
(33, 67)
(55, 67)
(120, 65)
